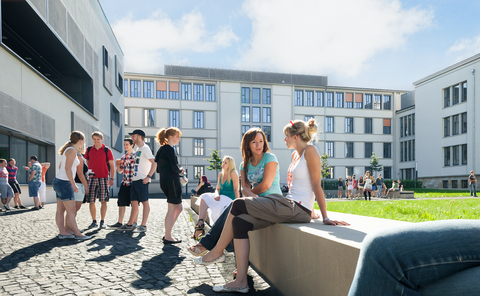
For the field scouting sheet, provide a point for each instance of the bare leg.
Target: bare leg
(202, 210)
(146, 212)
(60, 219)
(172, 214)
(36, 201)
(103, 210)
(242, 252)
(133, 213)
(225, 239)
(121, 214)
(93, 210)
(71, 212)
(78, 205)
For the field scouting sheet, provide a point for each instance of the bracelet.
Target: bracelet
(112, 178)
(149, 176)
(325, 219)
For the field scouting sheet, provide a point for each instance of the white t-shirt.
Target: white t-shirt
(142, 164)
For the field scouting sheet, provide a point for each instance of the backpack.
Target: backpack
(106, 155)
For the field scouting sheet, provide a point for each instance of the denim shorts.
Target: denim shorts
(63, 190)
(33, 188)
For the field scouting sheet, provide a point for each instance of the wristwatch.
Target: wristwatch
(149, 176)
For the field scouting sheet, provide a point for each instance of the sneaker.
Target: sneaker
(140, 228)
(36, 208)
(85, 237)
(134, 225)
(17, 207)
(40, 207)
(7, 207)
(93, 225)
(116, 225)
(125, 227)
(102, 225)
(23, 207)
(61, 236)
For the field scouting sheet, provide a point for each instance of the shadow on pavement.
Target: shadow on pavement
(122, 242)
(205, 289)
(154, 271)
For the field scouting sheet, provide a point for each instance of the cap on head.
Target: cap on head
(138, 132)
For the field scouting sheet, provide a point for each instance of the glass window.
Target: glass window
(446, 153)
(268, 132)
(413, 149)
(358, 101)
(173, 94)
(125, 88)
(464, 122)
(318, 99)
(464, 183)
(299, 98)
(464, 154)
(174, 118)
(330, 173)
(255, 95)
(401, 151)
(454, 184)
(405, 150)
(308, 117)
(410, 150)
(387, 129)
(198, 171)
(148, 89)
(401, 127)
(245, 128)
(186, 91)
(309, 98)
(349, 150)
(387, 150)
(245, 114)
(386, 103)
(446, 127)
(377, 102)
(349, 100)
(368, 101)
(126, 116)
(18, 150)
(445, 183)
(330, 148)
(329, 99)
(135, 88)
(456, 154)
(405, 125)
(267, 96)
(349, 125)
(329, 124)
(368, 126)
(267, 114)
(149, 117)
(368, 150)
(198, 92)
(245, 95)
(455, 124)
(348, 171)
(256, 114)
(456, 94)
(197, 119)
(464, 92)
(446, 97)
(210, 93)
(387, 172)
(198, 145)
(413, 124)
(339, 101)
(410, 125)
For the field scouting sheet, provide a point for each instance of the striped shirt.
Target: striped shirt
(12, 173)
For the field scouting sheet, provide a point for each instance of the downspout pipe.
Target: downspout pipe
(473, 118)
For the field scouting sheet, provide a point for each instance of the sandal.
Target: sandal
(197, 252)
(199, 231)
(234, 273)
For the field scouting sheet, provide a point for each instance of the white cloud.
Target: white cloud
(321, 37)
(465, 47)
(147, 42)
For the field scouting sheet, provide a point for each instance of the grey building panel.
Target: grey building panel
(78, 124)
(75, 39)
(33, 123)
(88, 58)
(408, 100)
(246, 76)
(41, 6)
(57, 18)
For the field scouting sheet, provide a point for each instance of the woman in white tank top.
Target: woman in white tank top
(65, 187)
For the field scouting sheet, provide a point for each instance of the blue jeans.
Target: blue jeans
(428, 258)
(473, 189)
(209, 241)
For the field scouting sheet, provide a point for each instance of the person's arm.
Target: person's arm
(70, 154)
(153, 167)
(314, 168)
(234, 176)
(45, 164)
(199, 186)
(112, 172)
(217, 189)
(246, 187)
(268, 177)
(172, 159)
(32, 174)
(81, 175)
(120, 164)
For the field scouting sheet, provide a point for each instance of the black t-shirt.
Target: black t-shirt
(167, 163)
(340, 183)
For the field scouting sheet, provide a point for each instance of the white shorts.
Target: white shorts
(350, 187)
(42, 192)
(215, 208)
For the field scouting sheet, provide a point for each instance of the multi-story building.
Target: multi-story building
(60, 70)
(213, 108)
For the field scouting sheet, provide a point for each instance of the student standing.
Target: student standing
(12, 181)
(6, 191)
(34, 180)
(472, 180)
(42, 191)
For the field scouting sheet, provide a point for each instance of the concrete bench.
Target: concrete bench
(193, 200)
(401, 194)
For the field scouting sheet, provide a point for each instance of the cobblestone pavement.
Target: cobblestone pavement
(33, 261)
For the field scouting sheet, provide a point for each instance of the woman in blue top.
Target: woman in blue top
(262, 172)
(226, 192)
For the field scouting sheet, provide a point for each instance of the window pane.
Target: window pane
(464, 154)
(246, 95)
(268, 132)
(464, 123)
(174, 118)
(387, 150)
(446, 127)
(186, 91)
(198, 146)
(135, 88)
(245, 114)
(309, 98)
(19, 152)
(329, 124)
(330, 149)
(348, 125)
(464, 92)
(368, 101)
(349, 150)
(446, 152)
(267, 99)
(456, 155)
(318, 99)
(339, 100)
(198, 119)
(299, 98)
(266, 114)
(245, 128)
(148, 89)
(255, 95)
(446, 97)
(368, 150)
(149, 117)
(125, 88)
(256, 114)
(386, 103)
(456, 94)
(329, 99)
(387, 172)
(377, 104)
(210, 93)
(368, 126)
(198, 92)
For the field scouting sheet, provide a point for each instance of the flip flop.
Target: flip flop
(166, 241)
(197, 252)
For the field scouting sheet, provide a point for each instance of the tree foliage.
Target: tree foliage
(215, 161)
(325, 167)
(375, 165)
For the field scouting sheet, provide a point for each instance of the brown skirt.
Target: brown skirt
(267, 210)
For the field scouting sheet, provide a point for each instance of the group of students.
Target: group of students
(366, 185)
(10, 188)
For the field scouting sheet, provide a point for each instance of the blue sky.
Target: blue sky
(357, 43)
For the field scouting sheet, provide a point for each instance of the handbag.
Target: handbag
(368, 187)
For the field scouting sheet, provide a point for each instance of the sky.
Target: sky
(386, 44)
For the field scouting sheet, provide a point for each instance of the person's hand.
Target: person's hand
(110, 182)
(217, 198)
(86, 190)
(75, 188)
(315, 215)
(145, 180)
(26, 168)
(335, 222)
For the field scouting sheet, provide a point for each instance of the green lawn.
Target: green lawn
(410, 210)
(426, 193)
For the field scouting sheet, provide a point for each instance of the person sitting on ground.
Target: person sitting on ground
(259, 177)
(248, 213)
(226, 192)
(203, 186)
(427, 258)
(394, 187)
(340, 187)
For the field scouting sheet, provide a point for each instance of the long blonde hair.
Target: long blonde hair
(231, 167)
(75, 136)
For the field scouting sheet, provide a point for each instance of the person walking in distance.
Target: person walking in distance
(100, 162)
(473, 184)
(12, 181)
(125, 166)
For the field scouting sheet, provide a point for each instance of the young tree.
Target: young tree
(325, 167)
(215, 161)
(375, 165)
